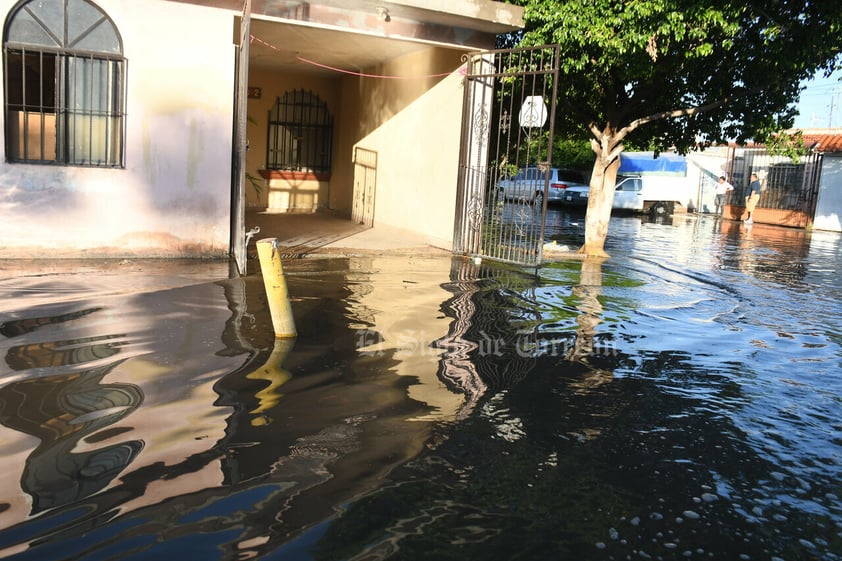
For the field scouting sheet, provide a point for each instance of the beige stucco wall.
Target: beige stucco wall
(413, 127)
(412, 124)
(173, 197)
(282, 195)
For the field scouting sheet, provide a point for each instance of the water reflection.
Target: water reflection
(770, 253)
(65, 413)
(587, 292)
(117, 395)
(180, 393)
(19, 327)
(497, 353)
(680, 399)
(692, 451)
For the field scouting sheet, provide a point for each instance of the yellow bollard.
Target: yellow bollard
(276, 288)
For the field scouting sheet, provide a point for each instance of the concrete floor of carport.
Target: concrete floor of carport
(302, 234)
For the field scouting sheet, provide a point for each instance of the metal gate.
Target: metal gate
(365, 182)
(789, 189)
(506, 152)
(786, 185)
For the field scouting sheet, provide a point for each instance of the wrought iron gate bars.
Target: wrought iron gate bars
(498, 86)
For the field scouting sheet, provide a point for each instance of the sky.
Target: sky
(821, 103)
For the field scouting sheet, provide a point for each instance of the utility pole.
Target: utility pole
(834, 93)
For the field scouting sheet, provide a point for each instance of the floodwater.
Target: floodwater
(681, 400)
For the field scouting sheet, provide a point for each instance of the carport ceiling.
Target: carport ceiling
(285, 47)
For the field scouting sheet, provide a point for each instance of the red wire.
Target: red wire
(361, 74)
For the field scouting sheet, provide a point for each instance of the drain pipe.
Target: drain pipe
(276, 288)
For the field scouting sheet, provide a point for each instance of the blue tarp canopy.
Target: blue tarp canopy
(645, 163)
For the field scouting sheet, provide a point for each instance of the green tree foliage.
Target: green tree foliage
(678, 73)
(789, 145)
(573, 154)
(568, 153)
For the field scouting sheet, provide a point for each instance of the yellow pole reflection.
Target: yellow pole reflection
(272, 372)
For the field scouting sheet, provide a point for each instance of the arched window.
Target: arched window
(64, 84)
(300, 134)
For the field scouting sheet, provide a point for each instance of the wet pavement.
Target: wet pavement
(300, 235)
(681, 400)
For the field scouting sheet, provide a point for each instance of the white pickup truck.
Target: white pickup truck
(652, 194)
(653, 190)
(655, 195)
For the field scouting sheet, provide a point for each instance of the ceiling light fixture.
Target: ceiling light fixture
(384, 14)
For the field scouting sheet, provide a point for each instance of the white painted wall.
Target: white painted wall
(414, 128)
(829, 202)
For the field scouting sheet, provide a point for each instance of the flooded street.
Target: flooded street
(681, 400)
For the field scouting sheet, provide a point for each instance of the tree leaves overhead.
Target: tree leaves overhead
(732, 68)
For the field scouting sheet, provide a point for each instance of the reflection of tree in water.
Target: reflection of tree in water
(559, 464)
(496, 332)
(542, 465)
(587, 293)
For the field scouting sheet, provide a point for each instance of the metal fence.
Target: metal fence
(787, 185)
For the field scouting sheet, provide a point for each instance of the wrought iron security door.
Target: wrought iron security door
(507, 136)
(365, 183)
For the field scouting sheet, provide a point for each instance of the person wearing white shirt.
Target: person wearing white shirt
(722, 190)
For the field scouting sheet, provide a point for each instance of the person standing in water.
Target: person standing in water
(722, 190)
(752, 196)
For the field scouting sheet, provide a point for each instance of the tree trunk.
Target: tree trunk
(600, 199)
